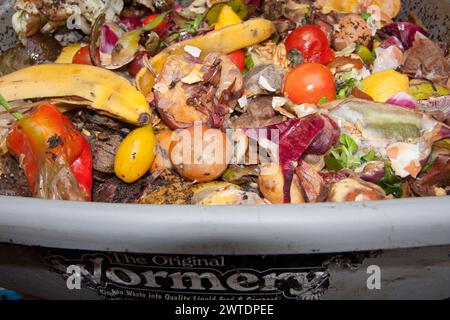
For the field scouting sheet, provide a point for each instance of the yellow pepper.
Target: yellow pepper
(135, 154)
(227, 17)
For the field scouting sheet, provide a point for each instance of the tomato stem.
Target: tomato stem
(9, 108)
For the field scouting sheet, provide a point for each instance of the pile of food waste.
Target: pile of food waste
(223, 102)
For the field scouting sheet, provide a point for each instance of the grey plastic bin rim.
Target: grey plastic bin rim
(188, 229)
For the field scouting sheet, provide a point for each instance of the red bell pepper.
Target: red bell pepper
(55, 156)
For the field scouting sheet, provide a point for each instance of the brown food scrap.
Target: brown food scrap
(435, 180)
(312, 184)
(259, 114)
(426, 59)
(168, 188)
(104, 151)
(12, 179)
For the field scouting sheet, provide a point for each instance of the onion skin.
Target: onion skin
(373, 171)
(162, 161)
(403, 99)
(137, 64)
(271, 184)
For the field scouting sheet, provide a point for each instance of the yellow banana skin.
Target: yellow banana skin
(108, 92)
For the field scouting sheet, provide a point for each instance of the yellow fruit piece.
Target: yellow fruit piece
(106, 91)
(225, 40)
(227, 17)
(384, 84)
(68, 52)
(202, 191)
(135, 154)
(391, 8)
(350, 6)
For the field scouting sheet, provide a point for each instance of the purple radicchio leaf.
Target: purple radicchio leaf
(392, 41)
(293, 136)
(326, 139)
(253, 6)
(403, 99)
(403, 31)
(131, 23)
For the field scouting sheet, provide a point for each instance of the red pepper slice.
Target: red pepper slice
(55, 156)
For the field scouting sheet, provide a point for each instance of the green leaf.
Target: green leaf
(173, 36)
(344, 88)
(193, 26)
(369, 156)
(366, 15)
(391, 183)
(367, 55)
(427, 167)
(152, 24)
(332, 163)
(345, 155)
(348, 142)
(249, 61)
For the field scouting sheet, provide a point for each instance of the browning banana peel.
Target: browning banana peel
(106, 91)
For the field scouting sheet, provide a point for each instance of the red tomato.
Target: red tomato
(309, 83)
(161, 27)
(312, 42)
(238, 57)
(82, 56)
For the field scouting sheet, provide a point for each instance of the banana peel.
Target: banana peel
(106, 92)
(225, 40)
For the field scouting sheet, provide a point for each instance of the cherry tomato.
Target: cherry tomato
(312, 42)
(310, 83)
(161, 27)
(82, 56)
(238, 57)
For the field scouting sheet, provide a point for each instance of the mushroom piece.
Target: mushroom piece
(189, 90)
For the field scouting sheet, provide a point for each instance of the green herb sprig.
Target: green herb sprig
(345, 155)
